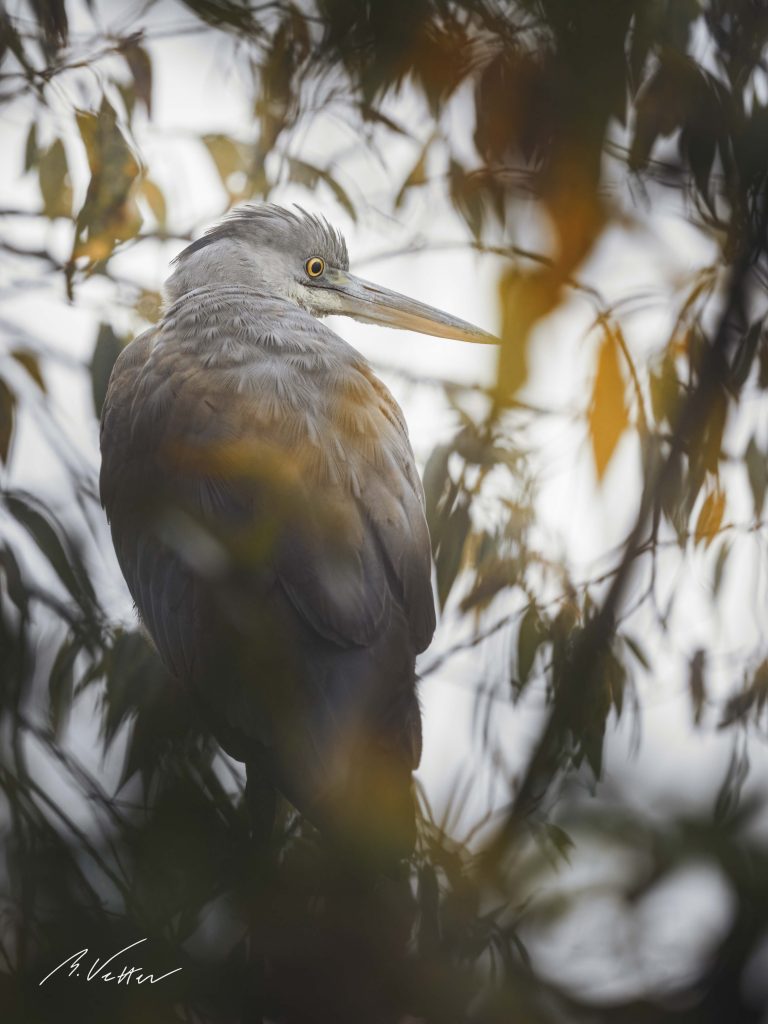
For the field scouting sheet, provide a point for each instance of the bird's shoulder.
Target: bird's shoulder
(256, 372)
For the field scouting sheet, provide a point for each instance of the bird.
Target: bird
(269, 520)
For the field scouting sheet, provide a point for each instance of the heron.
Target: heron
(269, 519)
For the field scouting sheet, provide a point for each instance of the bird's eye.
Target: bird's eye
(314, 266)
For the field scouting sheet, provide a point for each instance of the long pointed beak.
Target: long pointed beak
(372, 304)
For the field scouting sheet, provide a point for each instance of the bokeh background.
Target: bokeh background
(585, 179)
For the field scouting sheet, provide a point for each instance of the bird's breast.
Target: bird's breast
(222, 394)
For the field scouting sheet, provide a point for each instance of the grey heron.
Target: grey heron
(268, 516)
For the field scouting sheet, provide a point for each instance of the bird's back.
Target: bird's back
(268, 519)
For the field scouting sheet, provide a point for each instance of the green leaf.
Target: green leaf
(616, 677)
(762, 373)
(712, 441)
(140, 66)
(309, 175)
(665, 391)
(466, 196)
(757, 473)
(108, 347)
(7, 417)
(663, 104)
(608, 417)
(15, 586)
(697, 686)
(31, 151)
(698, 143)
(51, 16)
(720, 562)
(341, 194)
(428, 899)
(640, 43)
(416, 176)
(53, 175)
(131, 676)
(53, 544)
(493, 576)
(435, 478)
(375, 116)
(736, 774)
(639, 652)
(11, 40)
(453, 536)
(745, 356)
(560, 839)
(603, 691)
(753, 697)
(61, 684)
(530, 637)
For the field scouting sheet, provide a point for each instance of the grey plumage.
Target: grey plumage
(248, 222)
(269, 520)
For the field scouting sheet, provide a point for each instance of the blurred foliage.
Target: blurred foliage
(570, 100)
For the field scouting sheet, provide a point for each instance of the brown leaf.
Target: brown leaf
(31, 364)
(608, 417)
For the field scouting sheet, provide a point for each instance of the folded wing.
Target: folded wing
(268, 518)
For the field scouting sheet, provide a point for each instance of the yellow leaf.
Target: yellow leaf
(710, 518)
(526, 298)
(608, 417)
(110, 213)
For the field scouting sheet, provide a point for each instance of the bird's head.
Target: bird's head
(299, 257)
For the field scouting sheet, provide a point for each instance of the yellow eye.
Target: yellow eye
(314, 266)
